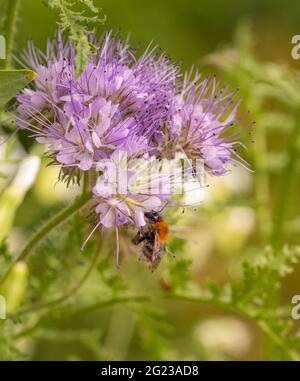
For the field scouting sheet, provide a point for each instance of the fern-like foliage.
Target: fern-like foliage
(251, 296)
(78, 25)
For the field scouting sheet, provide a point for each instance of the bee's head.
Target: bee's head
(153, 216)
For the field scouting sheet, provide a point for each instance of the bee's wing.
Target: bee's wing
(158, 252)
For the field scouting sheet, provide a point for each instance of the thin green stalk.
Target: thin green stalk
(277, 340)
(118, 337)
(107, 303)
(262, 184)
(55, 221)
(9, 30)
(279, 220)
(86, 182)
(287, 183)
(72, 291)
(130, 299)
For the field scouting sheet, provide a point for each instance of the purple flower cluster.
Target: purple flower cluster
(123, 103)
(119, 102)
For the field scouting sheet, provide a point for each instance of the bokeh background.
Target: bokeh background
(247, 43)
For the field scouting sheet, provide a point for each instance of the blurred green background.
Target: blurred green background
(187, 30)
(234, 221)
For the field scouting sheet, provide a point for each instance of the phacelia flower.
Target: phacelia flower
(204, 115)
(126, 190)
(119, 101)
(123, 114)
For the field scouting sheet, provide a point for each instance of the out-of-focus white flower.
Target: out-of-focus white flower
(241, 219)
(224, 335)
(199, 247)
(13, 195)
(50, 191)
(10, 155)
(238, 181)
(14, 286)
(25, 176)
(232, 228)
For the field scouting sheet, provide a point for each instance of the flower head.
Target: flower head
(118, 102)
(204, 115)
(124, 114)
(126, 191)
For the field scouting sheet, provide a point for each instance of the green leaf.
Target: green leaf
(12, 81)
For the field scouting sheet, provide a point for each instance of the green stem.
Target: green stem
(130, 299)
(262, 190)
(193, 299)
(107, 303)
(277, 340)
(69, 293)
(287, 183)
(9, 29)
(281, 208)
(86, 182)
(56, 220)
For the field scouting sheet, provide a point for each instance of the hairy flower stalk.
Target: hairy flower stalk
(123, 119)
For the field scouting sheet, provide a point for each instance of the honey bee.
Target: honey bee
(154, 237)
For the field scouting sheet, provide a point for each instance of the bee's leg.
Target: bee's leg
(138, 239)
(142, 235)
(170, 252)
(148, 249)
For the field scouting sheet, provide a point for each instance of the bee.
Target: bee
(154, 237)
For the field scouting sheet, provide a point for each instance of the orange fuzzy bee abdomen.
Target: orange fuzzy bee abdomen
(162, 229)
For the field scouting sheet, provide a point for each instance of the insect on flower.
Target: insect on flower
(153, 237)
